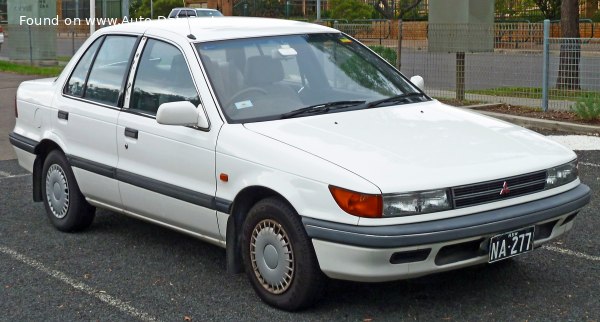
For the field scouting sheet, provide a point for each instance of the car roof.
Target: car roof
(206, 9)
(219, 29)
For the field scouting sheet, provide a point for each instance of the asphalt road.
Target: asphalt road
(126, 269)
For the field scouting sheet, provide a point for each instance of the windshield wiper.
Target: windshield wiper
(395, 99)
(321, 108)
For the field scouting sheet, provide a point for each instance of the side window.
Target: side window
(186, 13)
(77, 80)
(162, 76)
(109, 70)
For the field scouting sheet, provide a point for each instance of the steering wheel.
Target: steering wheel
(242, 92)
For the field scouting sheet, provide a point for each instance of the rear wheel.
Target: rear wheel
(65, 206)
(278, 256)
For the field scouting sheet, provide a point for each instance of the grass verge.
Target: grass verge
(536, 92)
(22, 69)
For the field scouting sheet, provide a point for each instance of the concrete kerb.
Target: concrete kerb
(540, 124)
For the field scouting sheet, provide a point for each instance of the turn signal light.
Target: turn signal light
(358, 204)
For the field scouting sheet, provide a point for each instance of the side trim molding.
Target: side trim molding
(167, 189)
(223, 205)
(22, 142)
(92, 166)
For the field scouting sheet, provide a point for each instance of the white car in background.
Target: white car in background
(294, 147)
(194, 12)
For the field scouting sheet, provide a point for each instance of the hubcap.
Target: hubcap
(272, 256)
(57, 191)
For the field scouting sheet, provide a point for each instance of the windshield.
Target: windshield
(208, 13)
(266, 78)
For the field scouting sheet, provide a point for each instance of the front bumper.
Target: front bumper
(383, 253)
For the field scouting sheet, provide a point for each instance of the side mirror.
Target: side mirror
(418, 81)
(181, 113)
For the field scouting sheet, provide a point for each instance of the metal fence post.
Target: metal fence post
(30, 46)
(546, 65)
(73, 41)
(460, 75)
(399, 48)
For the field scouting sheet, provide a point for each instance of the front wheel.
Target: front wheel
(278, 256)
(65, 206)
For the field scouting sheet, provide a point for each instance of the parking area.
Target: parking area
(126, 269)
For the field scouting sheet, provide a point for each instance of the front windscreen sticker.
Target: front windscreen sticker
(345, 40)
(243, 104)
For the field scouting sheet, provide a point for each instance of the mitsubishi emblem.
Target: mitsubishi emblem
(505, 189)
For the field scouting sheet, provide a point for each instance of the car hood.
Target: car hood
(418, 146)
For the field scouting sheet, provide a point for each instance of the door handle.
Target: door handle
(131, 133)
(62, 115)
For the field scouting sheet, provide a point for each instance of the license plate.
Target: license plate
(511, 244)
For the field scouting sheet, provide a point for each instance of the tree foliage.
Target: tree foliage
(549, 8)
(350, 9)
(141, 8)
(393, 9)
(506, 9)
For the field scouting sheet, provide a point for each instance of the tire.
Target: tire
(279, 258)
(65, 206)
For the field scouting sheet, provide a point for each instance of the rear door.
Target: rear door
(166, 173)
(87, 113)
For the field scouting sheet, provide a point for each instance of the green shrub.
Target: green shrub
(350, 9)
(588, 107)
(386, 53)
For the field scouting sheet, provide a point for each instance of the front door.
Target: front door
(166, 173)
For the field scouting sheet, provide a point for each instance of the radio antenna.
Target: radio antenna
(190, 36)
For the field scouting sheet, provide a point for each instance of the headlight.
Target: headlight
(415, 203)
(562, 174)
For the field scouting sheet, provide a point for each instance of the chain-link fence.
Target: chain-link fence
(499, 63)
(39, 44)
(502, 63)
(574, 69)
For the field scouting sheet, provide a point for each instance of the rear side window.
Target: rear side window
(77, 80)
(186, 13)
(108, 72)
(162, 77)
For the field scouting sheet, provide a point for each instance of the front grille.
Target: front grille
(484, 192)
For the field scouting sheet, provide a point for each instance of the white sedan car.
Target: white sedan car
(294, 147)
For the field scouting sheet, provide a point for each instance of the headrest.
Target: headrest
(263, 70)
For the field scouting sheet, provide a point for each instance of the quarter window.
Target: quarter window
(77, 80)
(162, 77)
(109, 70)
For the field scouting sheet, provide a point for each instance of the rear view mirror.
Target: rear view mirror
(181, 113)
(418, 81)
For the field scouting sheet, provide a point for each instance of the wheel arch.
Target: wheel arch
(41, 151)
(242, 203)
